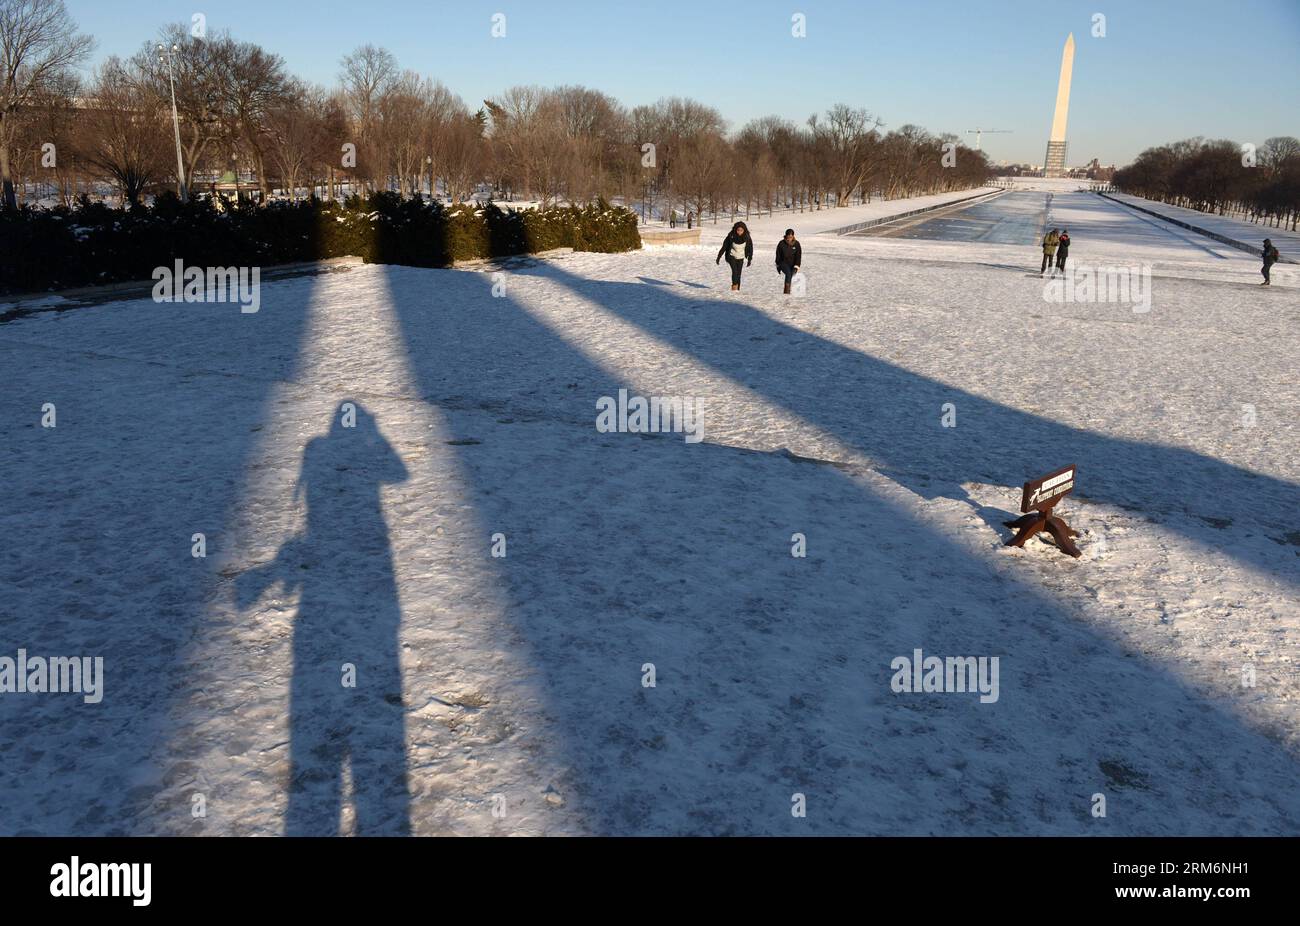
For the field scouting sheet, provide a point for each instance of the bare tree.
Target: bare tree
(200, 68)
(50, 119)
(529, 142)
(702, 171)
(597, 129)
(39, 46)
(124, 135)
(1276, 152)
(463, 150)
(671, 125)
(366, 75)
(409, 114)
(848, 136)
(253, 83)
(300, 133)
(442, 110)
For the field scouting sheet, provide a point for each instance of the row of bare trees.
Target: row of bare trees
(832, 160)
(383, 127)
(1260, 184)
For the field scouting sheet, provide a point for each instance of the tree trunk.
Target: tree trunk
(9, 201)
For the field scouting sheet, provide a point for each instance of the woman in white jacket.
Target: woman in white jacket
(738, 248)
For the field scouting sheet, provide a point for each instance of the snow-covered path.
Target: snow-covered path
(818, 221)
(1250, 233)
(515, 683)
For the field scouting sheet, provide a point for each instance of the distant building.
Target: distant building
(1094, 171)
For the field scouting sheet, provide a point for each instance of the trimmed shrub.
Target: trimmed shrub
(93, 244)
(599, 227)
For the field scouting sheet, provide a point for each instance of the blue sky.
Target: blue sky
(1165, 70)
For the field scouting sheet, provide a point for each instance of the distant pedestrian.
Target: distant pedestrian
(672, 218)
(737, 247)
(1271, 257)
(1062, 250)
(690, 219)
(1050, 241)
(789, 257)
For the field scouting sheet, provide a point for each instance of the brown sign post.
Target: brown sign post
(1037, 500)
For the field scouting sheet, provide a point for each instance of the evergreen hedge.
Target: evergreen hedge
(94, 244)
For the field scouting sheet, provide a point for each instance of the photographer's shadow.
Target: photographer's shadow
(345, 703)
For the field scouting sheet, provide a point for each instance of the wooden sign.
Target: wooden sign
(1041, 494)
(1037, 499)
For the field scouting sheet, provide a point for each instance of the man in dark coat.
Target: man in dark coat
(1270, 256)
(1062, 250)
(737, 247)
(789, 257)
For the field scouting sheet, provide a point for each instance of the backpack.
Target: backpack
(1273, 255)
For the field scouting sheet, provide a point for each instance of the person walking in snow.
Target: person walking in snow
(1050, 241)
(1271, 257)
(737, 247)
(1062, 250)
(789, 257)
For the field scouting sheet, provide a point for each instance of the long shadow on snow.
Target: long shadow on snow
(773, 672)
(348, 613)
(892, 415)
(103, 556)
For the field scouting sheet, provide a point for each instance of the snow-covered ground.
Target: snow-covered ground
(817, 221)
(507, 694)
(1250, 233)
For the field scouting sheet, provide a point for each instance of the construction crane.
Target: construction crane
(978, 133)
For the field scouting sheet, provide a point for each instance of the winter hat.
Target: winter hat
(789, 231)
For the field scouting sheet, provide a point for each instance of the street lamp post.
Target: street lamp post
(165, 54)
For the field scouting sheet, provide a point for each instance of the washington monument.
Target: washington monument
(1054, 163)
